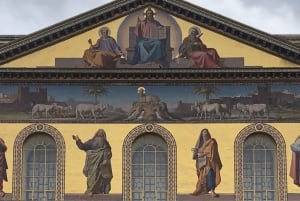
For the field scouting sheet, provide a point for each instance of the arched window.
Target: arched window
(39, 164)
(149, 168)
(149, 164)
(39, 167)
(260, 168)
(260, 164)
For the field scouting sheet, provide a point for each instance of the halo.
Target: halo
(142, 89)
(102, 29)
(197, 29)
(145, 10)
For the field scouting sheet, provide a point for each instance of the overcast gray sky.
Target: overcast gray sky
(18, 17)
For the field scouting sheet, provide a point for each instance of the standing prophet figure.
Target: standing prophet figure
(208, 164)
(97, 166)
(295, 163)
(3, 166)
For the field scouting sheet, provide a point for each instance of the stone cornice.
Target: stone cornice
(167, 76)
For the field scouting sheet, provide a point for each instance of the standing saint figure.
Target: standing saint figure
(97, 167)
(295, 163)
(208, 164)
(150, 45)
(3, 166)
(105, 53)
(193, 48)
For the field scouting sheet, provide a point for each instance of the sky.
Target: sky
(22, 17)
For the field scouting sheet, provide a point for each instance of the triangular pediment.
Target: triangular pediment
(121, 9)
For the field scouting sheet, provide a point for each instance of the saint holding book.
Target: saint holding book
(208, 164)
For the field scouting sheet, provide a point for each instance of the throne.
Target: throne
(132, 42)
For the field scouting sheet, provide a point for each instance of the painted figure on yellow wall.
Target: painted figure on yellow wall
(208, 164)
(193, 48)
(148, 108)
(105, 53)
(151, 39)
(3, 166)
(97, 167)
(295, 164)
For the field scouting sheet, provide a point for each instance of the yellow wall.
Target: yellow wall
(75, 46)
(184, 134)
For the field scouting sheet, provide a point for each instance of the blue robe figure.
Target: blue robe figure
(149, 46)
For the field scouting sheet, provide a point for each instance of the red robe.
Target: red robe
(3, 163)
(200, 55)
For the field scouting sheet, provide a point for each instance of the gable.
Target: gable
(68, 39)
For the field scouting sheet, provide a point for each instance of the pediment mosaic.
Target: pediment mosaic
(133, 30)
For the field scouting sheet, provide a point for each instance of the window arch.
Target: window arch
(260, 163)
(259, 168)
(39, 164)
(149, 168)
(149, 147)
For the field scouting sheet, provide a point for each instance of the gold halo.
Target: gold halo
(145, 10)
(142, 89)
(104, 28)
(198, 30)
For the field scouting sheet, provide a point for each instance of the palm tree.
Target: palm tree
(96, 91)
(206, 91)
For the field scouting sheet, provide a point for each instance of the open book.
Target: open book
(201, 162)
(158, 33)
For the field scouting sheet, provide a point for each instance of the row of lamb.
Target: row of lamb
(82, 110)
(222, 110)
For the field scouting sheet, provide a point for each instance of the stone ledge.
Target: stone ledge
(228, 62)
(180, 197)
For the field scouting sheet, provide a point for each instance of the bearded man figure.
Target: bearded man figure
(3, 166)
(105, 53)
(194, 49)
(97, 166)
(208, 164)
(149, 47)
